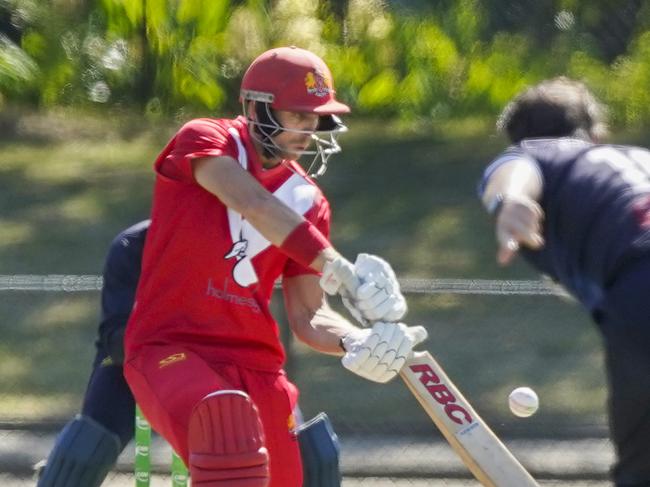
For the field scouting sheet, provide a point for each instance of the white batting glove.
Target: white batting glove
(379, 353)
(369, 288)
(339, 277)
(379, 296)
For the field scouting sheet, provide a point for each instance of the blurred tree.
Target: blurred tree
(147, 67)
(410, 59)
(18, 71)
(11, 23)
(610, 25)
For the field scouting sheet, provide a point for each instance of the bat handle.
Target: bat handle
(414, 357)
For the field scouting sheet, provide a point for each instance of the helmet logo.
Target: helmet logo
(317, 84)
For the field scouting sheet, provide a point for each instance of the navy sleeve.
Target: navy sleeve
(121, 275)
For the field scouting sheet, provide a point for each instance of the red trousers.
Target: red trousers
(168, 381)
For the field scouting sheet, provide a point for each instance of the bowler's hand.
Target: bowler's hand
(519, 222)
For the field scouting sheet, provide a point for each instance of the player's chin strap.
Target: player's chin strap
(266, 127)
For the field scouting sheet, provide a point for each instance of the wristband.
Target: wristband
(304, 243)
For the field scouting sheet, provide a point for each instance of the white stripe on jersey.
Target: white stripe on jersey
(295, 192)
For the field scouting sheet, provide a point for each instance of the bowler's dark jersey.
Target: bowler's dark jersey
(596, 201)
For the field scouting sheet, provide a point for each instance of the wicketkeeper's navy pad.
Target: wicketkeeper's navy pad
(83, 455)
(319, 447)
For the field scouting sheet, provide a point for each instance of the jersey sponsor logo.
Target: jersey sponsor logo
(441, 394)
(318, 84)
(172, 359)
(224, 295)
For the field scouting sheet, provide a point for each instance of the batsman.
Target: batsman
(232, 212)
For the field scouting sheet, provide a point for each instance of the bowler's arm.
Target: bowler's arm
(513, 179)
(511, 192)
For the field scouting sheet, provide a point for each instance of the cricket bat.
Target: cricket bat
(482, 452)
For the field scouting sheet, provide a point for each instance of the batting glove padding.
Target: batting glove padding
(379, 296)
(379, 353)
(369, 288)
(338, 277)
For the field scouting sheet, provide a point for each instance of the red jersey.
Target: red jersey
(207, 274)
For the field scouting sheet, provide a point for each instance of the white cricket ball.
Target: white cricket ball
(523, 402)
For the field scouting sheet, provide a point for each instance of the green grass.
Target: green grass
(71, 181)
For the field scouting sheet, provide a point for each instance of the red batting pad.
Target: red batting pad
(226, 442)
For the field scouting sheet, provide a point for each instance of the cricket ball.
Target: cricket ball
(523, 402)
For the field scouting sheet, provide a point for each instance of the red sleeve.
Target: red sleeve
(320, 217)
(198, 138)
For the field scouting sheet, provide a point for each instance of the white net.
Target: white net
(77, 283)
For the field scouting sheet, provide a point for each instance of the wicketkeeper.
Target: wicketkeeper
(88, 446)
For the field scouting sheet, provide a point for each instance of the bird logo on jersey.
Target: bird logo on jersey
(243, 272)
(238, 250)
(318, 84)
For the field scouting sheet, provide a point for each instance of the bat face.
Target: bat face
(479, 448)
(441, 394)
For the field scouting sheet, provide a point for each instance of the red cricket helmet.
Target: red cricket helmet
(296, 80)
(293, 79)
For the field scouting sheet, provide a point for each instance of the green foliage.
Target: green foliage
(497, 72)
(629, 88)
(429, 60)
(18, 71)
